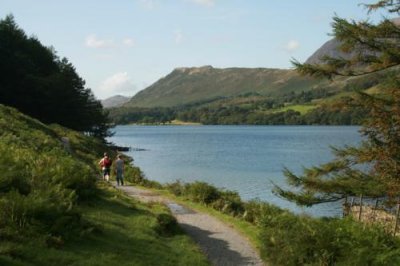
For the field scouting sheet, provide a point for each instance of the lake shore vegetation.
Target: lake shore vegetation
(284, 238)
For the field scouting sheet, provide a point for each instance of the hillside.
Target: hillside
(323, 102)
(259, 96)
(54, 211)
(198, 84)
(330, 48)
(115, 101)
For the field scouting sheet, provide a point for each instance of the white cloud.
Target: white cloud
(129, 42)
(292, 46)
(178, 36)
(207, 3)
(93, 42)
(119, 83)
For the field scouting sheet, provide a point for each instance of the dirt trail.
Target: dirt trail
(221, 243)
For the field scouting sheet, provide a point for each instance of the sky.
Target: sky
(123, 46)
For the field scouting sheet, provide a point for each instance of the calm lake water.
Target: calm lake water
(247, 159)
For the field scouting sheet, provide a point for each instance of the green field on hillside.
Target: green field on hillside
(302, 109)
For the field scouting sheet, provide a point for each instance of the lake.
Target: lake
(247, 159)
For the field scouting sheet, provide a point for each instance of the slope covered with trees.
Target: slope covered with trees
(39, 83)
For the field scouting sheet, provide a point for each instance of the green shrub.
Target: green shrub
(289, 239)
(257, 211)
(15, 173)
(225, 201)
(229, 202)
(201, 192)
(15, 210)
(177, 188)
(166, 224)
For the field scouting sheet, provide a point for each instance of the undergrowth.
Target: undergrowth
(55, 211)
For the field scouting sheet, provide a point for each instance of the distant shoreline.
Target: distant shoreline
(239, 125)
(171, 123)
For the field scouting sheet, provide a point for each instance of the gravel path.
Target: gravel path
(222, 244)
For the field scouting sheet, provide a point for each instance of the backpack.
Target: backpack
(107, 162)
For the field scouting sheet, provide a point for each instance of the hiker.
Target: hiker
(105, 165)
(119, 170)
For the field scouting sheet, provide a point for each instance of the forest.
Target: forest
(251, 109)
(36, 81)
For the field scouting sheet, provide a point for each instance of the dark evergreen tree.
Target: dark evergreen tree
(34, 80)
(373, 168)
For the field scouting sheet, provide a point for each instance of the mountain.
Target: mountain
(198, 84)
(259, 96)
(115, 101)
(244, 96)
(331, 48)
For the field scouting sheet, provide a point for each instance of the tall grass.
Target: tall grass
(53, 210)
(40, 182)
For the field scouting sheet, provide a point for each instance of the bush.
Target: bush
(166, 224)
(288, 239)
(134, 175)
(229, 202)
(257, 211)
(201, 192)
(177, 188)
(15, 210)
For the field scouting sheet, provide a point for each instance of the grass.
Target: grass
(174, 122)
(301, 108)
(54, 212)
(124, 232)
(183, 123)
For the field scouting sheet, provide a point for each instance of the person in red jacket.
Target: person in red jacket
(105, 164)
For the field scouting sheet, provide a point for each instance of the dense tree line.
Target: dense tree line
(127, 115)
(37, 82)
(257, 110)
(323, 115)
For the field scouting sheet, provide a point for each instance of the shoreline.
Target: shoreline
(171, 123)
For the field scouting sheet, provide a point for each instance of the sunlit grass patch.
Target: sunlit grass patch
(301, 108)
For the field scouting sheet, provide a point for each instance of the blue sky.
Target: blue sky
(123, 46)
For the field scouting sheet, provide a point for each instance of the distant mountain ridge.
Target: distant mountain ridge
(194, 84)
(331, 48)
(115, 101)
(188, 85)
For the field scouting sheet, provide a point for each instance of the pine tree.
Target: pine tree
(371, 169)
(37, 82)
